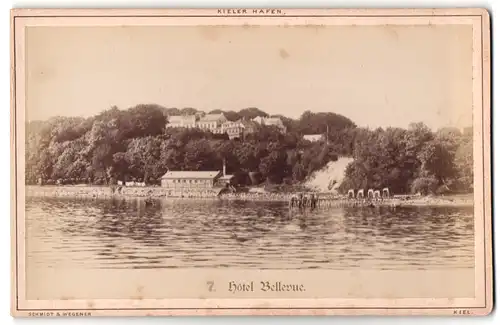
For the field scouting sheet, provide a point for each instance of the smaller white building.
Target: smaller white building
(314, 137)
(181, 121)
(190, 179)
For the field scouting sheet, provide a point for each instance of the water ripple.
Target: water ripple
(247, 235)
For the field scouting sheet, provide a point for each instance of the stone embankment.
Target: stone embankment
(93, 191)
(324, 200)
(87, 191)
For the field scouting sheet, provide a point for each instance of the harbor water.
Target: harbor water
(170, 234)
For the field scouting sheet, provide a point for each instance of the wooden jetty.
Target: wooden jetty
(333, 203)
(318, 201)
(321, 200)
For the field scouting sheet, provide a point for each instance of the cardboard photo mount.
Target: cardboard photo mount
(190, 292)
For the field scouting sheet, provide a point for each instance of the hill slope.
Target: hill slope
(330, 177)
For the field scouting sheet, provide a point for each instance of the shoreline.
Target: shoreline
(325, 201)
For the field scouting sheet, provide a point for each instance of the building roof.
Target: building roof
(190, 174)
(212, 117)
(227, 177)
(276, 121)
(248, 124)
(181, 118)
(233, 123)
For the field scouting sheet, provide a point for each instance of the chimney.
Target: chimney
(224, 167)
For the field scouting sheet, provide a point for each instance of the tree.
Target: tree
(436, 161)
(142, 157)
(245, 154)
(188, 111)
(425, 185)
(232, 116)
(316, 123)
(199, 156)
(143, 121)
(251, 113)
(273, 166)
(386, 158)
(134, 143)
(464, 162)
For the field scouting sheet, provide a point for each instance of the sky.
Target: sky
(378, 76)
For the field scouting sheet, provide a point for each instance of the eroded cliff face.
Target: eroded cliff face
(330, 177)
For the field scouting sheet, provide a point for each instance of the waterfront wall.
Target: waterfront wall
(93, 191)
(87, 191)
(160, 192)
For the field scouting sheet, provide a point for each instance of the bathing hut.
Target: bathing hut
(190, 179)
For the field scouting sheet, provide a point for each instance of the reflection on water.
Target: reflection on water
(177, 234)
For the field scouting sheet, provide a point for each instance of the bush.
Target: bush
(100, 181)
(424, 185)
(241, 178)
(443, 189)
(255, 178)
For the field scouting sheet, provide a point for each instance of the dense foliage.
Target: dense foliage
(411, 160)
(134, 144)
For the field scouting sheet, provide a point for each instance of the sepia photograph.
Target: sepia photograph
(251, 161)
